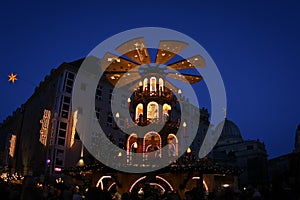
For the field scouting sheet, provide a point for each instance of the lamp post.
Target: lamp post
(141, 86)
(184, 129)
(189, 150)
(179, 93)
(117, 121)
(128, 102)
(135, 146)
(81, 161)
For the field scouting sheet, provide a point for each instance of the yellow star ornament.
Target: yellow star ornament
(12, 77)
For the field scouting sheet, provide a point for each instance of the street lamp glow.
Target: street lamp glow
(189, 150)
(80, 162)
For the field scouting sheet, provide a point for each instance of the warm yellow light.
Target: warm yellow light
(12, 145)
(184, 124)
(120, 154)
(135, 145)
(45, 127)
(140, 83)
(12, 77)
(80, 162)
(189, 150)
(179, 92)
(117, 115)
(75, 118)
(128, 100)
(225, 185)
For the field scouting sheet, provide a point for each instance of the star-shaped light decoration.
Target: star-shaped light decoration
(12, 77)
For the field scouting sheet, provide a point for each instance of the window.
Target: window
(145, 84)
(152, 110)
(62, 132)
(138, 111)
(65, 107)
(249, 147)
(71, 76)
(109, 119)
(58, 162)
(63, 125)
(99, 92)
(98, 110)
(152, 143)
(166, 109)
(152, 84)
(161, 84)
(110, 96)
(59, 153)
(67, 99)
(124, 103)
(61, 141)
(172, 145)
(68, 82)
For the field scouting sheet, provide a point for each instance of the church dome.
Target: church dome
(230, 133)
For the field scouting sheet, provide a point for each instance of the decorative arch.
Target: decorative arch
(132, 186)
(100, 181)
(130, 142)
(111, 186)
(158, 180)
(204, 183)
(152, 143)
(152, 110)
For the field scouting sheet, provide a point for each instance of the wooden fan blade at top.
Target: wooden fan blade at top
(171, 86)
(121, 79)
(192, 62)
(168, 49)
(134, 85)
(136, 50)
(185, 77)
(113, 63)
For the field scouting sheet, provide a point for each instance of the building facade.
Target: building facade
(248, 155)
(40, 138)
(284, 171)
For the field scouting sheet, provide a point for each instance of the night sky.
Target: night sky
(255, 44)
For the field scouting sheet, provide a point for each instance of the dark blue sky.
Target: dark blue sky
(255, 44)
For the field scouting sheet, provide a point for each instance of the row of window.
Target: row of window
(152, 110)
(68, 82)
(99, 96)
(152, 84)
(64, 113)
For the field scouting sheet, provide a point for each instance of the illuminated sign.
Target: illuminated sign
(12, 145)
(45, 126)
(73, 128)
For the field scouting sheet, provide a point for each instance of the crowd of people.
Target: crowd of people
(30, 190)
